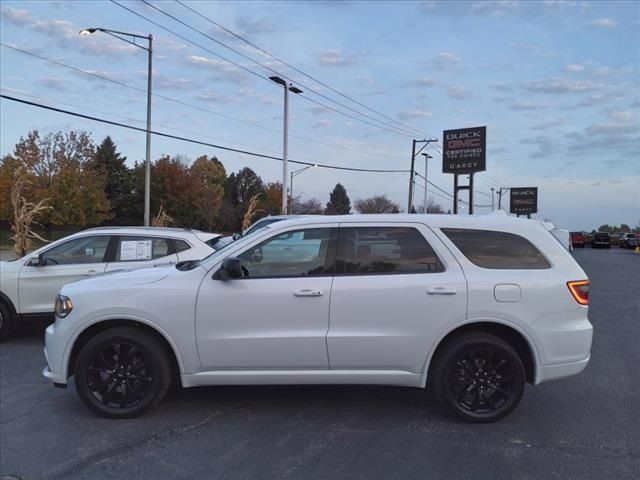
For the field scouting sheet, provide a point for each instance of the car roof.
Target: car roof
(478, 222)
(173, 231)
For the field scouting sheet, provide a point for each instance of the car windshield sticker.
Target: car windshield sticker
(135, 250)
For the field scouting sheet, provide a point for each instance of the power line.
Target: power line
(242, 67)
(243, 55)
(240, 37)
(191, 140)
(190, 105)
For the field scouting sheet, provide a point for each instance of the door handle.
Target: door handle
(441, 291)
(307, 292)
(89, 273)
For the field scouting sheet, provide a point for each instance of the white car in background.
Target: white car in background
(475, 307)
(28, 285)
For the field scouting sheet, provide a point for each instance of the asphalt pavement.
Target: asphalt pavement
(583, 427)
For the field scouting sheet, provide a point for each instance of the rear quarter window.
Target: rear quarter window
(497, 250)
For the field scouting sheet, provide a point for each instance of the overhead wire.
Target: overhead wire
(194, 141)
(269, 54)
(242, 67)
(190, 105)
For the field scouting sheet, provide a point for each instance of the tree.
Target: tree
(432, 207)
(24, 214)
(171, 187)
(208, 178)
(59, 167)
(339, 203)
(313, 206)
(239, 188)
(271, 199)
(118, 181)
(376, 204)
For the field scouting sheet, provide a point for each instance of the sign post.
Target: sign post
(464, 153)
(523, 200)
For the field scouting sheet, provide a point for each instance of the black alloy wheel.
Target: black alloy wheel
(479, 377)
(122, 372)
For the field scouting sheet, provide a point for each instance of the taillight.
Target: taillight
(580, 291)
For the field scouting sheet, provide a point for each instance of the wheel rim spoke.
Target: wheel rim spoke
(118, 376)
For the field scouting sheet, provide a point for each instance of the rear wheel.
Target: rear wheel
(122, 372)
(479, 377)
(6, 322)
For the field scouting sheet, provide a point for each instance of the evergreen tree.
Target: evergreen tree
(339, 203)
(119, 182)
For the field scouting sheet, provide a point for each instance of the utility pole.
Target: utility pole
(426, 183)
(492, 201)
(413, 166)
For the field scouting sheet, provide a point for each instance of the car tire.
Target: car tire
(6, 322)
(122, 372)
(479, 377)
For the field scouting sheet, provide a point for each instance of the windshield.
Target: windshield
(261, 223)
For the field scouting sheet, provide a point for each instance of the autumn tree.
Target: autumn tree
(376, 204)
(208, 177)
(60, 167)
(339, 203)
(239, 188)
(171, 187)
(271, 200)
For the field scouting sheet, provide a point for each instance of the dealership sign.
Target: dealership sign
(524, 200)
(464, 150)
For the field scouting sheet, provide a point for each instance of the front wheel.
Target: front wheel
(6, 322)
(479, 377)
(122, 372)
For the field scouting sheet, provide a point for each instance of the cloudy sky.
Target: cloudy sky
(557, 83)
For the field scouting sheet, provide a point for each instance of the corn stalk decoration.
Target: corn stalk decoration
(251, 212)
(162, 219)
(24, 213)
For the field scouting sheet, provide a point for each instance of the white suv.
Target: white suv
(476, 306)
(28, 285)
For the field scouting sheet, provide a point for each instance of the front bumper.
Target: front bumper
(55, 370)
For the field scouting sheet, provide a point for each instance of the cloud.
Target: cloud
(425, 82)
(337, 58)
(163, 82)
(544, 146)
(605, 23)
(213, 97)
(255, 26)
(501, 87)
(15, 16)
(559, 86)
(324, 123)
(446, 60)
(600, 129)
(458, 92)
(413, 114)
(574, 67)
(491, 8)
(222, 70)
(525, 106)
(623, 116)
(549, 124)
(532, 49)
(53, 83)
(606, 139)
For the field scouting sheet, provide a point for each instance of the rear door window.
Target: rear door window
(384, 251)
(137, 249)
(497, 250)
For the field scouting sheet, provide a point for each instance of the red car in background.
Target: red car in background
(577, 239)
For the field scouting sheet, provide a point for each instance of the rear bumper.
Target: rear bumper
(553, 372)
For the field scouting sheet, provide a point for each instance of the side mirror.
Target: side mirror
(34, 262)
(237, 236)
(231, 268)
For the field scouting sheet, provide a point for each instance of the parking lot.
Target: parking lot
(587, 426)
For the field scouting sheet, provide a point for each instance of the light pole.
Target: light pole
(288, 87)
(295, 173)
(147, 169)
(426, 166)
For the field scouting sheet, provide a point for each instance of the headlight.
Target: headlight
(62, 306)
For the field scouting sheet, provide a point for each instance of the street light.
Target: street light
(295, 173)
(288, 87)
(147, 170)
(426, 165)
